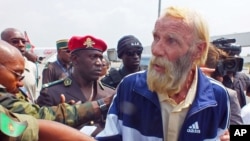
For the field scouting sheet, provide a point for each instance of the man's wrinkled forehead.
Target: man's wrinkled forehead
(174, 27)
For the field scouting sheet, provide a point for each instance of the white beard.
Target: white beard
(174, 77)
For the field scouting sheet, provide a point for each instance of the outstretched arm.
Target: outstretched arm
(50, 130)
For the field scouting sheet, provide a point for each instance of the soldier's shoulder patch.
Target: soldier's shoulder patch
(10, 127)
(52, 83)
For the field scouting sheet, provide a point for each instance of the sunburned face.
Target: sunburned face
(174, 75)
(172, 56)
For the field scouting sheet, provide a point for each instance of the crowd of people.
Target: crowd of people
(177, 98)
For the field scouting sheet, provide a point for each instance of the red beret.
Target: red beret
(86, 42)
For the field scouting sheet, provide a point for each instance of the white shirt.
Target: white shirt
(29, 80)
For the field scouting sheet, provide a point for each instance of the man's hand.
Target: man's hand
(71, 102)
(108, 100)
(225, 137)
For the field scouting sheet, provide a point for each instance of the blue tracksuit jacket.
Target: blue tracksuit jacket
(135, 113)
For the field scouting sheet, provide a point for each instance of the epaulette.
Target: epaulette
(52, 83)
(67, 82)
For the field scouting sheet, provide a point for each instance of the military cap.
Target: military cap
(61, 44)
(87, 42)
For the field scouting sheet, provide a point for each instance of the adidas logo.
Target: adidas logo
(194, 128)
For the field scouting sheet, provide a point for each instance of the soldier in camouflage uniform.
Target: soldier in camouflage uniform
(60, 68)
(129, 49)
(17, 127)
(23, 127)
(11, 69)
(82, 84)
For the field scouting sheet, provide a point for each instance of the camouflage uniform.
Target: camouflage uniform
(72, 115)
(19, 127)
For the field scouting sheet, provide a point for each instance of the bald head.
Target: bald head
(9, 53)
(15, 37)
(5, 35)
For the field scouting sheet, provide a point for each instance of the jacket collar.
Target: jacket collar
(204, 93)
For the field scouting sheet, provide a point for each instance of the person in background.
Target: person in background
(60, 68)
(23, 127)
(236, 80)
(245, 110)
(215, 55)
(106, 64)
(129, 49)
(173, 99)
(17, 39)
(83, 83)
(11, 74)
(239, 82)
(32, 57)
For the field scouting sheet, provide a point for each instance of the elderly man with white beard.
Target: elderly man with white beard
(173, 100)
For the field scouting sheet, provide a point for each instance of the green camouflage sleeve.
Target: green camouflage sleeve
(72, 115)
(21, 126)
(31, 132)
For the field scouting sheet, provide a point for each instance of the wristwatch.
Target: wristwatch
(102, 105)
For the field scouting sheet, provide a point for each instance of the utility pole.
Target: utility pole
(159, 8)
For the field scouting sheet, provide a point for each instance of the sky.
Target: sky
(46, 21)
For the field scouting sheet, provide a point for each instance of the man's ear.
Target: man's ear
(73, 58)
(201, 47)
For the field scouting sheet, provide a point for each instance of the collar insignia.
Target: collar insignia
(67, 82)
